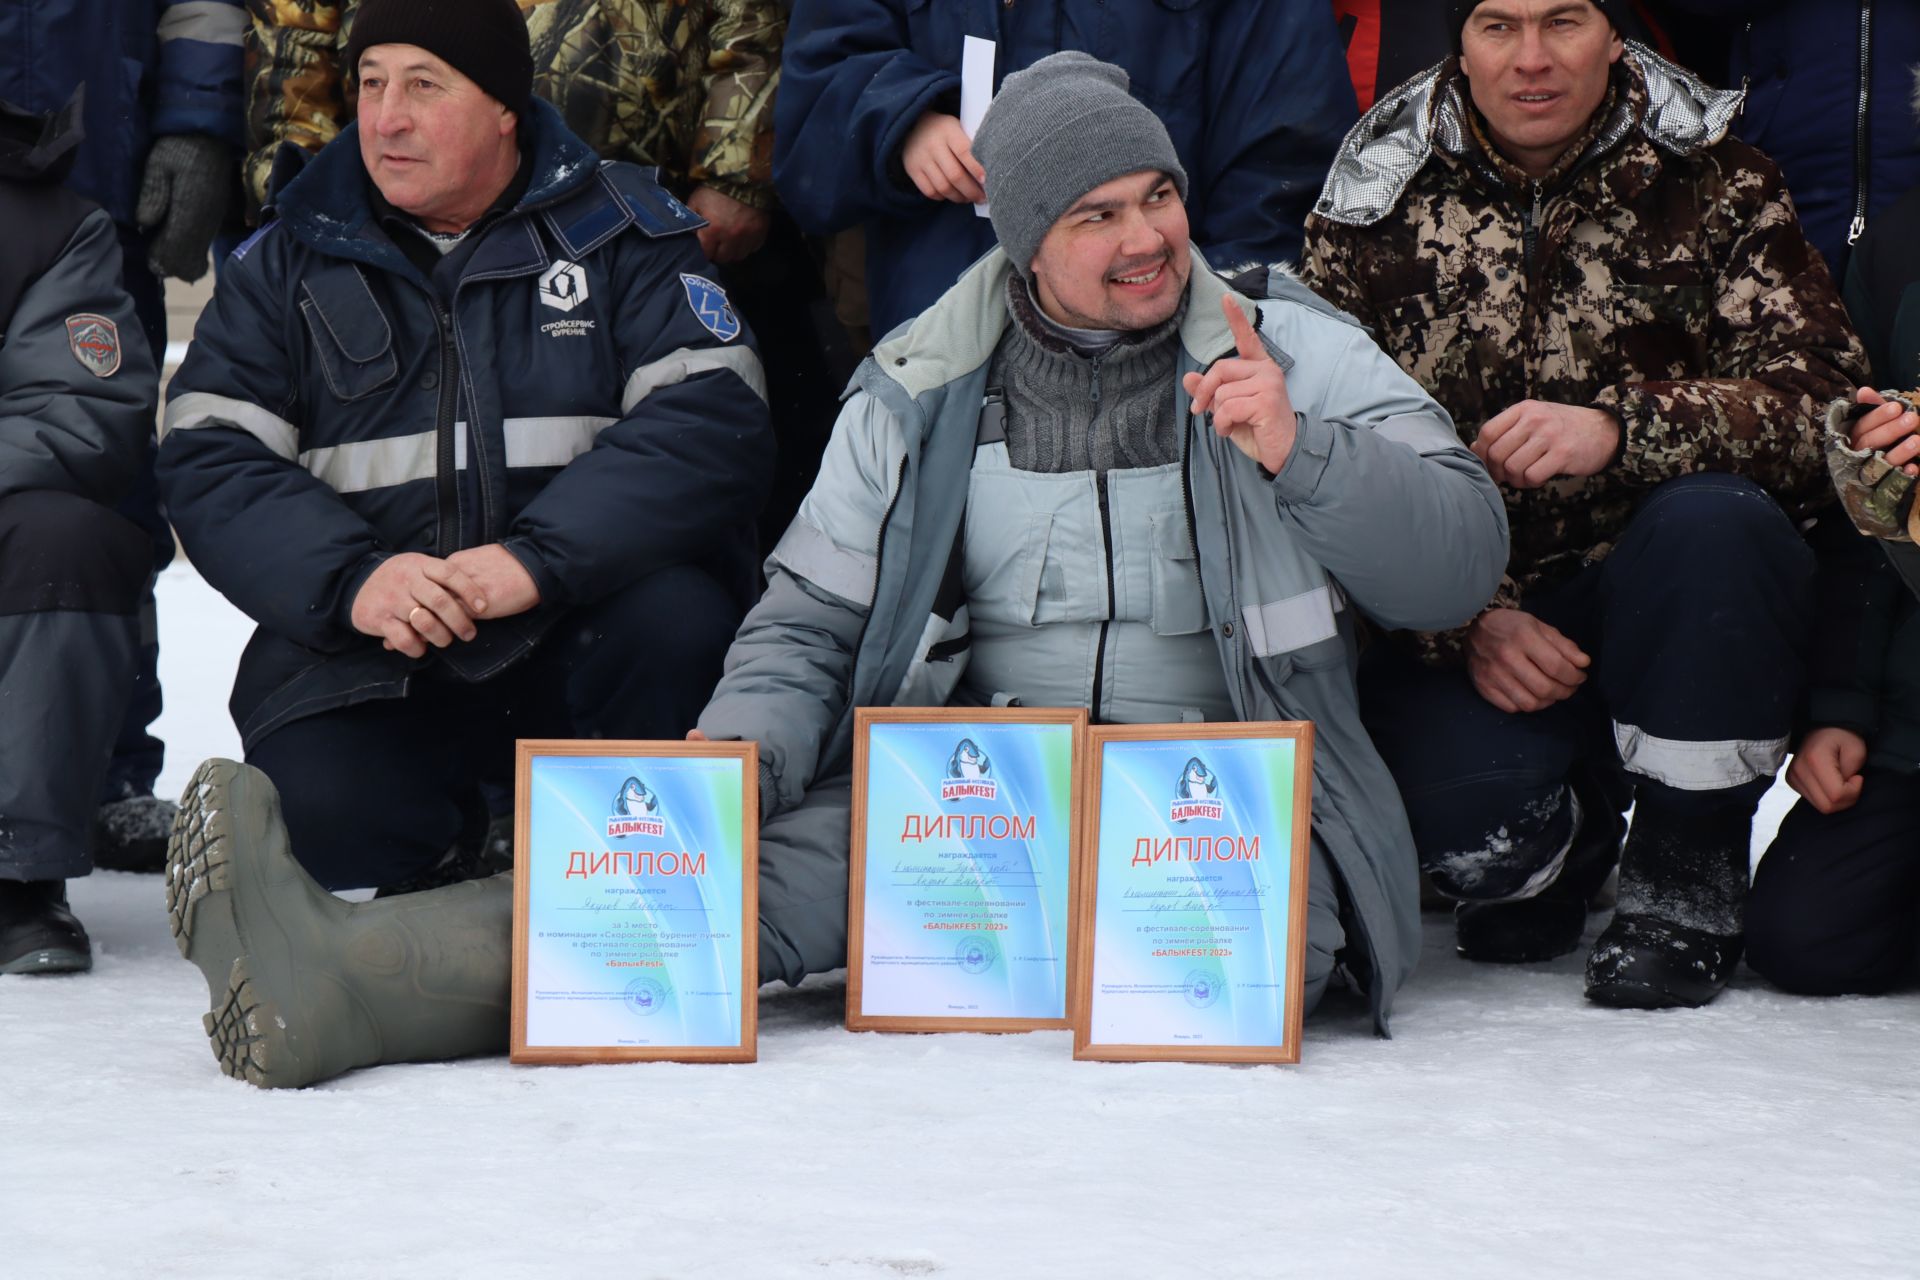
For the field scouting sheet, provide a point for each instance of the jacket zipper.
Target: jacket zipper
(1859, 223)
(886, 518)
(446, 482)
(1106, 546)
(1531, 240)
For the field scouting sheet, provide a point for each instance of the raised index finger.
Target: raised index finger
(1245, 340)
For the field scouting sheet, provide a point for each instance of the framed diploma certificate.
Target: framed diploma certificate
(1193, 893)
(635, 914)
(959, 910)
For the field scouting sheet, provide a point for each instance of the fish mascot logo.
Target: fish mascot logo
(1197, 794)
(635, 812)
(969, 774)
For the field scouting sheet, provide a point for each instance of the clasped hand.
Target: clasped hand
(414, 600)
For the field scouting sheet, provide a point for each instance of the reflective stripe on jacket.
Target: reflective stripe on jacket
(588, 376)
(1378, 509)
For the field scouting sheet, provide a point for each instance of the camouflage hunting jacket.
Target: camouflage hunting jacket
(686, 85)
(1659, 273)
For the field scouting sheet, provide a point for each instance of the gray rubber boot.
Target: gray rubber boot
(304, 985)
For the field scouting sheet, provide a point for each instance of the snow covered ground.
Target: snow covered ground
(1509, 1129)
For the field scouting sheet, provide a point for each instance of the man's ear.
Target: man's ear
(509, 120)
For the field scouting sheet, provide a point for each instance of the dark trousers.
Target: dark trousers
(1696, 624)
(376, 792)
(71, 574)
(137, 753)
(1836, 902)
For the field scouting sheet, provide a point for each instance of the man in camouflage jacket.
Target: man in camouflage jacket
(686, 85)
(1554, 235)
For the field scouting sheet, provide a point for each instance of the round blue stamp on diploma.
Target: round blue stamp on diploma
(645, 997)
(976, 954)
(1203, 988)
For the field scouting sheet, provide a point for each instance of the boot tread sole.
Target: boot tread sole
(246, 1032)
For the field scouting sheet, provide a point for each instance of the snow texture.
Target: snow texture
(1509, 1129)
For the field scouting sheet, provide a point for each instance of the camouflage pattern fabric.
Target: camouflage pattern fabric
(686, 85)
(295, 86)
(1677, 292)
(1876, 496)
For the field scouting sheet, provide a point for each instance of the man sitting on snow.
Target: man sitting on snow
(1229, 482)
(473, 437)
(1554, 235)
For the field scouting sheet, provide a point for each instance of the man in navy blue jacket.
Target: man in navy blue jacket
(1255, 94)
(471, 433)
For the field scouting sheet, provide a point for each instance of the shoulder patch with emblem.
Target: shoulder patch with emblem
(95, 343)
(710, 307)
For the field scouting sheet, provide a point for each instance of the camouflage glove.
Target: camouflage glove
(183, 200)
(1878, 496)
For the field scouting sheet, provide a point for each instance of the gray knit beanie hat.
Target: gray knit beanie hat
(1056, 131)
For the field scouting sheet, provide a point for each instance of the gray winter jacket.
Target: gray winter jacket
(77, 383)
(1378, 507)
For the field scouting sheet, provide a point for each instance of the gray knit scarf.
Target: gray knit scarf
(1075, 408)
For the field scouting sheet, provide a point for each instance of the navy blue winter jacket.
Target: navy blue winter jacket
(1255, 94)
(152, 68)
(1801, 61)
(589, 400)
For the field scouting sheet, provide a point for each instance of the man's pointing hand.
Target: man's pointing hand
(1247, 395)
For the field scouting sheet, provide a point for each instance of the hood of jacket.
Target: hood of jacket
(1393, 141)
(326, 203)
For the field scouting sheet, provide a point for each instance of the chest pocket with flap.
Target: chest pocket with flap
(352, 339)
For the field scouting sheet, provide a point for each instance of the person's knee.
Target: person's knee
(671, 627)
(1806, 956)
(62, 551)
(1704, 526)
(679, 616)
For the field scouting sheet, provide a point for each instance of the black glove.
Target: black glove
(183, 200)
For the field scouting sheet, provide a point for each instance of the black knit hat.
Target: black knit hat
(1458, 11)
(484, 40)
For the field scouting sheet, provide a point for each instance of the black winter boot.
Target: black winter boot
(1550, 923)
(37, 932)
(1676, 936)
(130, 832)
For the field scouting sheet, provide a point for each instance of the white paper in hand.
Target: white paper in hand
(976, 88)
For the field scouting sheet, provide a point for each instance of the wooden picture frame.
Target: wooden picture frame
(998, 724)
(1298, 836)
(709, 800)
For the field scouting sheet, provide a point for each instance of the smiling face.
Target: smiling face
(437, 146)
(1538, 71)
(1118, 258)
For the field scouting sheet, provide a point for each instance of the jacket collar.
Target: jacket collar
(328, 206)
(1677, 112)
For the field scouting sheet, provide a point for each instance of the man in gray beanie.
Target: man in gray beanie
(1094, 474)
